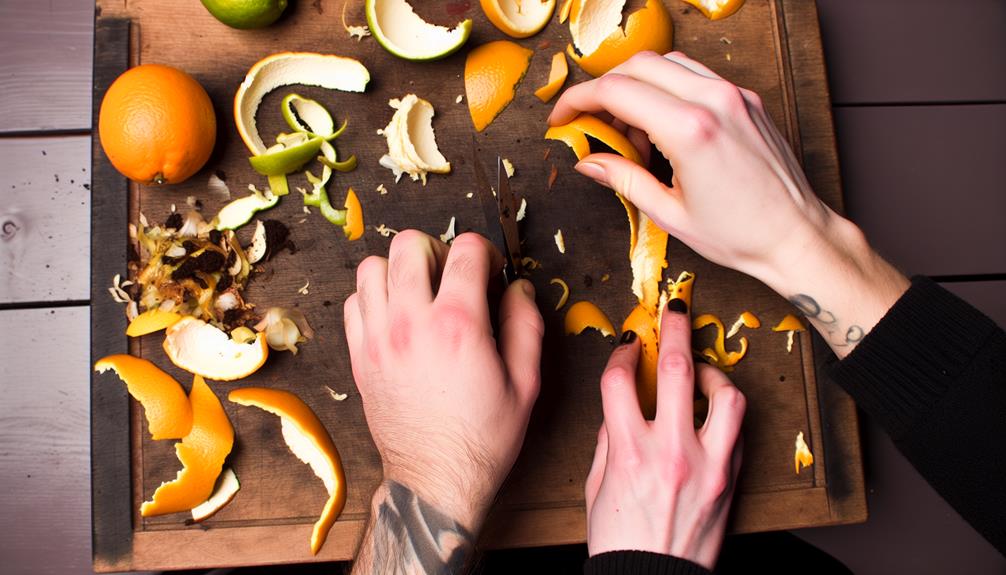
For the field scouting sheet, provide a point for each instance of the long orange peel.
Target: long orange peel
(585, 315)
(202, 453)
(649, 28)
(308, 439)
(492, 72)
(151, 321)
(167, 409)
(556, 78)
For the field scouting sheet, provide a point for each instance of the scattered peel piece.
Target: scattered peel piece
(519, 18)
(202, 453)
(746, 319)
(791, 325)
(802, 457)
(151, 321)
(564, 10)
(285, 68)
(308, 439)
(560, 242)
(529, 263)
(202, 349)
(508, 167)
(284, 328)
(240, 211)
(412, 144)
(336, 395)
(583, 315)
(717, 9)
(522, 210)
(227, 487)
(449, 235)
(399, 30)
(565, 292)
(165, 405)
(356, 31)
(556, 78)
(492, 72)
(718, 355)
(354, 217)
(649, 28)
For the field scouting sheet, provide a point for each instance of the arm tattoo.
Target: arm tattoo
(809, 307)
(408, 535)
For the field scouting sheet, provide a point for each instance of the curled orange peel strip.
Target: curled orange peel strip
(165, 405)
(583, 315)
(308, 439)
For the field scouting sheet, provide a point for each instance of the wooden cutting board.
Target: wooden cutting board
(771, 46)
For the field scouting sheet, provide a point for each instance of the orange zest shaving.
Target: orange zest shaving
(152, 320)
(202, 453)
(802, 457)
(583, 315)
(649, 28)
(565, 292)
(308, 439)
(167, 409)
(556, 77)
(354, 217)
(492, 72)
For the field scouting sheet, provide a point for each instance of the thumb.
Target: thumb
(636, 184)
(521, 330)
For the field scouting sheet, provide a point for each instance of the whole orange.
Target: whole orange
(157, 124)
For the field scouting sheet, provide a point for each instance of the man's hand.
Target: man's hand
(446, 403)
(739, 195)
(661, 485)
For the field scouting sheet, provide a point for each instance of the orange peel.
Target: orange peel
(167, 409)
(745, 319)
(645, 324)
(575, 133)
(649, 28)
(556, 77)
(718, 354)
(519, 18)
(492, 72)
(791, 325)
(717, 9)
(202, 453)
(151, 321)
(308, 439)
(681, 288)
(565, 292)
(354, 217)
(227, 487)
(202, 349)
(585, 315)
(564, 10)
(802, 457)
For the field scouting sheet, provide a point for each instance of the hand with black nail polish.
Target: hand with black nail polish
(663, 486)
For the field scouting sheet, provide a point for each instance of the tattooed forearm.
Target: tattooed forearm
(829, 325)
(407, 535)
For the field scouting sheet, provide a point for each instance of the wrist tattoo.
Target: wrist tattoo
(408, 535)
(832, 332)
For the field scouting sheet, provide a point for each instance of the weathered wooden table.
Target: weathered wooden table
(915, 129)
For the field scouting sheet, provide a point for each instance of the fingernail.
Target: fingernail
(628, 337)
(528, 288)
(677, 305)
(591, 170)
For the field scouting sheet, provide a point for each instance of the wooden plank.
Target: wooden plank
(987, 296)
(44, 214)
(46, 68)
(926, 184)
(110, 480)
(544, 494)
(914, 50)
(44, 456)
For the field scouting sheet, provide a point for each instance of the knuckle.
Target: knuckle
(717, 484)
(729, 97)
(753, 98)
(611, 82)
(617, 377)
(734, 400)
(700, 125)
(452, 324)
(676, 363)
(677, 470)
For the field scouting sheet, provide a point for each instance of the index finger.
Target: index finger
(471, 261)
(675, 370)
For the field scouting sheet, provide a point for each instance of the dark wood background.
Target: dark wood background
(920, 112)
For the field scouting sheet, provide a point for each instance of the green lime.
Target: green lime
(246, 14)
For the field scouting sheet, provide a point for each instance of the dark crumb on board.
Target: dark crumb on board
(87, 186)
(57, 177)
(174, 221)
(326, 303)
(43, 153)
(782, 378)
(587, 280)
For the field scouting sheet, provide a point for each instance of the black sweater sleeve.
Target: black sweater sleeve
(640, 563)
(931, 373)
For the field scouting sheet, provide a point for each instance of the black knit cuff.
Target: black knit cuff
(912, 356)
(641, 563)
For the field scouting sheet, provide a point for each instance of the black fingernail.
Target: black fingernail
(677, 305)
(628, 337)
